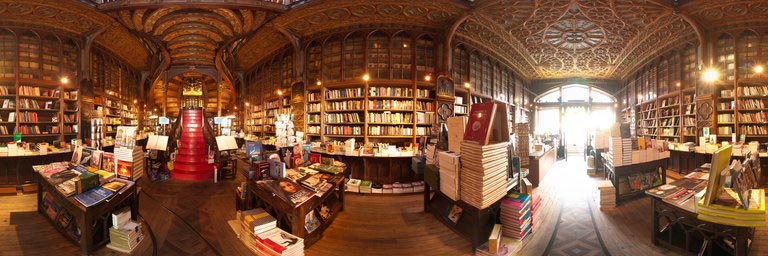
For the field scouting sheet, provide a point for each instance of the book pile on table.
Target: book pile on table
(621, 151)
(516, 215)
(258, 231)
(735, 215)
(483, 173)
(125, 234)
(134, 156)
(607, 192)
(449, 174)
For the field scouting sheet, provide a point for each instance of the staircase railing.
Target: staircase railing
(174, 134)
(210, 136)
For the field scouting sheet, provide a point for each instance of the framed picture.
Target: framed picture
(445, 87)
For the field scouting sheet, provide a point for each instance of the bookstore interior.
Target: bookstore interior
(326, 127)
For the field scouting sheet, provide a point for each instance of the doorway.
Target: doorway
(575, 129)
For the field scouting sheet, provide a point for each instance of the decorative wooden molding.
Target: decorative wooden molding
(705, 112)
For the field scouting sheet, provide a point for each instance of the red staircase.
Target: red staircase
(192, 159)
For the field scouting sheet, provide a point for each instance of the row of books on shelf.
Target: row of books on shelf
(378, 130)
(752, 104)
(752, 91)
(37, 91)
(344, 93)
(344, 105)
(367, 186)
(753, 117)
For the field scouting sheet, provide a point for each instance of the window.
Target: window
(460, 65)
(401, 56)
(314, 62)
(378, 56)
(425, 57)
(724, 56)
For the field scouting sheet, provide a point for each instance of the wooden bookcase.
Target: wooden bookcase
(314, 121)
(751, 110)
(669, 116)
(688, 115)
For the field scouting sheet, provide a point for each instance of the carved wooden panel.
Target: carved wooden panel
(705, 109)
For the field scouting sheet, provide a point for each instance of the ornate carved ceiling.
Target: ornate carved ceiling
(192, 35)
(77, 19)
(542, 39)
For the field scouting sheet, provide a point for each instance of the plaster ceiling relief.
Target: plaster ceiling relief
(724, 13)
(672, 29)
(568, 38)
(121, 42)
(65, 15)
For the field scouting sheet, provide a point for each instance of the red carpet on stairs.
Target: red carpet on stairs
(192, 160)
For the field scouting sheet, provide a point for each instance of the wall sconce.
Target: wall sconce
(64, 80)
(366, 77)
(466, 85)
(279, 92)
(758, 69)
(428, 77)
(319, 83)
(247, 104)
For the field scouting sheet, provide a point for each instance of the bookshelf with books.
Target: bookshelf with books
(461, 102)
(688, 109)
(344, 112)
(314, 113)
(8, 109)
(111, 114)
(725, 120)
(752, 110)
(647, 122)
(271, 110)
(389, 112)
(669, 116)
(254, 116)
(426, 114)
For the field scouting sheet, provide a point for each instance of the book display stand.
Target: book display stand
(87, 227)
(156, 161)
(227, 158)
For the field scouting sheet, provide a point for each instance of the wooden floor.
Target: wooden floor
(189, 218)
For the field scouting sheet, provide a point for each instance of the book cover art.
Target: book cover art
(253, 150)
(62, 176)
(276, 168)
(77, 153)
(108, 162)
(480, 119)
(286, 155)
(85, 158)
(454, 214)
(96, 156)
(311, 222)
(314, 158)
(289, 191)
(114, 185)
(124, 170)
(93, 196)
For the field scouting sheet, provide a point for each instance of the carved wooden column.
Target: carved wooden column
(705, 113)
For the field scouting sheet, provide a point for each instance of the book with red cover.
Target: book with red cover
(478, 127)
(124, 170)
(314, 158)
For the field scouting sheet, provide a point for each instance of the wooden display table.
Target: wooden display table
(291, 218)
(679, 229)
(93, 222)
(474, 224)
(618, 174)
(541, 162)
(378, 169)
(16, 171)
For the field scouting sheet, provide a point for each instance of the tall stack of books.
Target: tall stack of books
(516, 215)
(133, 162)
(607, 192)
(483, 173)
(535, 204)
(450, 165)
(256, 220)
(753, 216)
(125, 234)
(621, 150)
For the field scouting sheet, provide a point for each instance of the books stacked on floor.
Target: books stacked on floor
(516, 215)
(129, 162)
(353, 185)
(366, 186)
(450, 165)
(535, 204)
(125, 234)
(735, 214)
(483, 173)
(258, 231)
(607, 192)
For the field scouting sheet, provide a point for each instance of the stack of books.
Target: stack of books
(366, 186)
(607, 196)
(450, 165)
(125, 234)
(129, 162)
(256, 220)
(535, 204)
(258, 231)
(483, 173)
(621, 150)
(353, 185)
(753, 216)
(516, 215)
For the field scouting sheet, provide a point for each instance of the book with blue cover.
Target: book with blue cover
(253, 149)
(93, 196)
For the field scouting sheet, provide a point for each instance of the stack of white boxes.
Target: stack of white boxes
(450, 165)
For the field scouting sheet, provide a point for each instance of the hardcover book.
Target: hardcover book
(289, 191)
(108, 162)
(124, 170)
(95, 160)
(478, 127)
(93, 196)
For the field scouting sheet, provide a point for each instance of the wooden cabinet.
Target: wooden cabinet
(540, 164)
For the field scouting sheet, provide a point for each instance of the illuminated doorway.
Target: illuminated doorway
(576, 132)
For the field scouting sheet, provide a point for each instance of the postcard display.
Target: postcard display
(129, 159)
